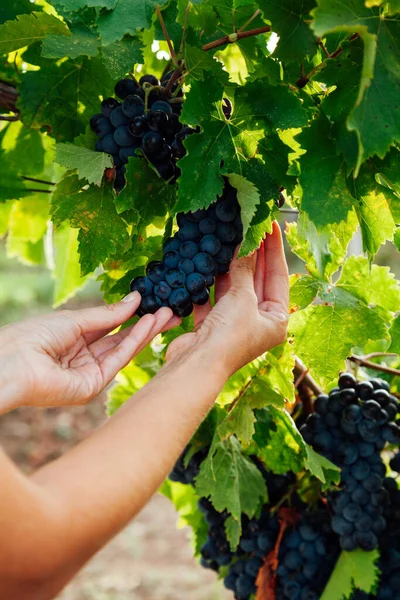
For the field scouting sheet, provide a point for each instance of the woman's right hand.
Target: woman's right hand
(250, 315)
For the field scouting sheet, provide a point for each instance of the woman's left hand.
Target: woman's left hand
(68, 357)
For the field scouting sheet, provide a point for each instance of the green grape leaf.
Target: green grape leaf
(395, 335)
(66, 114)
(5, 211)
(82, 42)
(13, 8)
(374, 207)
(283, 448)
(240, 141)
(324, 335)
(29, 217)
(231, 480)
(372, 284)
(326, 198)
(67, 270)
(357, 569)
(296, 39)
(160, 196)
(11, 185)
(120, 57)
(27, 29)
(25, 151)
(102, 232)
(127, 17)
(322, 468)
(248, 198)
(233, 531)
(199, 63)
(200, 16)
(260, 225)
(303, 290)
(89, 164)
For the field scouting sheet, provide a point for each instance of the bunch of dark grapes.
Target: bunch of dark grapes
(307, 557)
(186, 474)
(146, 119)
(351, 426)
(201, 249)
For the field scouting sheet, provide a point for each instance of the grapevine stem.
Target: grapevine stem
(243, 27)
(167, 38)
(307, 379)
(184, 29)
(364, 362)
(304, 79)
(235, 37)
(323, 47)
(37, 190)
(10, 119)
(37, 180)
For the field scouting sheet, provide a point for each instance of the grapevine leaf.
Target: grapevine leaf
(396, 238)
(160, 196)
(283, 448)
(201, 16)
(120, 57)
(296, 39)
(127, 17)
(26, 151)
(303, 290)
(357, 569)
(233, 531)
(29, 217)
(326, 198)
(248, 198)
(11, 186)
(374, 207)
(10, 10)
(231, 480)
(82, 42)
(199, 63)
(66, 113)
(234, 141)
(325, 334)
(102, 232)
(371, 283)
(67, 271)
(27, 29)
(260, 225)
(89, 164)
(5, 211)
(322, 468)
(395, 335)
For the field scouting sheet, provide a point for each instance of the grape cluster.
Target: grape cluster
(307, 557)
(351, 426)
(146, 119)
(187, 473)
(201, 249)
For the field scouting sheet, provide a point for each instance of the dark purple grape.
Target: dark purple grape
(152, 142)
(210, 244)
(93, 121)
(162, 106)
(195, 283)
(109, 144)
(149, 304)
(123, 137)
(207, 225)
(126, 153)
(186, 265)
(149, 79)
(157, 120)
(118, 117)
(204, 263)
(133, 106)
(108, 105)
(175, 278)
(104, 127)
(201, 298)
(138, 126)
(124, 88)
(179, 298)
(173, 243)
(143, 285)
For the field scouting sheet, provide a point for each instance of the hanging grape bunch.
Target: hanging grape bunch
(146, 120)
(202, 248)
(351, 426)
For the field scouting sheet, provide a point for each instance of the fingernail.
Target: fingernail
(131, 297)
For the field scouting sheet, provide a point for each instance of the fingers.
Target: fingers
(242, 271)
(112, 361)
(97, 322)
(276, 287)
(259, 277)
(200, 313)
(163, 320)
(222, 285)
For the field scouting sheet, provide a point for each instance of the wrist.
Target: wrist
(12, 391)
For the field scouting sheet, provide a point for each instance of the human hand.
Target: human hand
(250, 315)
(68, 357)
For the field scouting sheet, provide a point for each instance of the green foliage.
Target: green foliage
(353, 570)
(317, 115)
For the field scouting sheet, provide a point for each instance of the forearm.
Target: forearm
(105, 481)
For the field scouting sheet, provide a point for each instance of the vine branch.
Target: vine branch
(37, 180)
(304, 79)
(364, 361)
(235, 37)
(167, 38)
(303, 376)
(8, 101)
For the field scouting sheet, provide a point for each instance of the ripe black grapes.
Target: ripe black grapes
(193, 257)
(304, 540)
(351, 426)
(146, 119)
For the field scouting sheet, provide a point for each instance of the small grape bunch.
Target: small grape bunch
(202, 248)
(146, 118)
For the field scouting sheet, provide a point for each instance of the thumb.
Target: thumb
(242, 271)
